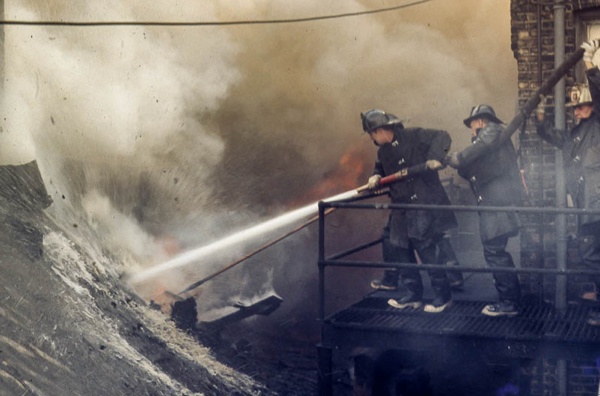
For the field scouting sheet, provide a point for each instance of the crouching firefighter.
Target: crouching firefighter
(421, 230)
(492, 171)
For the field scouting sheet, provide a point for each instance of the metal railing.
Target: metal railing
(335, 260)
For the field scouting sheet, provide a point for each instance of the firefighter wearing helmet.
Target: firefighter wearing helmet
(491, 169)
(581, 159)
(409, 230)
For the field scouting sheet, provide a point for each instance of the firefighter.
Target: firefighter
(492, 171)
(421, 230)
(581, 159)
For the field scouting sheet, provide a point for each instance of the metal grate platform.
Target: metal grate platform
(367, 321)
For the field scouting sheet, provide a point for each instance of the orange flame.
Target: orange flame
(346, 175)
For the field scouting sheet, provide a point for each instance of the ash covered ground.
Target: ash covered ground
(70, 326)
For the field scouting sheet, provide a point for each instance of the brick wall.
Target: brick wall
(537, 157)
(532, 27)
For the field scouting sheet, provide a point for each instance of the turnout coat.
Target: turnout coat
(492, 171)
(581, 156)
(414, 146)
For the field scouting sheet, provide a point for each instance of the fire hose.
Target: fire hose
(411, 171)
(247, 256)
(419, 169)
(543, 90)
(510, 129)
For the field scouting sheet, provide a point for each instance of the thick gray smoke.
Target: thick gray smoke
(154, 139)
(296, 109)
(114, 116)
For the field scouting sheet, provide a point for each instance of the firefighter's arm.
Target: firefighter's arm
(378, 170)
(438, 144)
(486, 141)
(590, 49)
(540, 110)
(555, 137)
(378, 173)
(593, 76)
(592, 72)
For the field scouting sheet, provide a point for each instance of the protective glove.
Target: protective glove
(434, 164)
(590, 48)
(373, 182)
(540, 110)
(453, 160)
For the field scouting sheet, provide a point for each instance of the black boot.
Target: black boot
(439, 304)
(501, 308)
(447, 257)
(439, 283)
(594, 318)
(409, 300)
(389, 281)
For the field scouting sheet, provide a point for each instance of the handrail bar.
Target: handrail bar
(381, 264)
(333, 261)
(459, 208)
(354, 250)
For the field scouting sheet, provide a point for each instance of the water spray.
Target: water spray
(196, 255)
(246, 257)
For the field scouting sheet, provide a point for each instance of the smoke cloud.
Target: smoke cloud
(191, 133)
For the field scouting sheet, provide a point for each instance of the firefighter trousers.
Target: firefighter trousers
(411, 278)
(496, 256)
(589, 250)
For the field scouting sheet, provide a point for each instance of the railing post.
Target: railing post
(321, 259)
(559, 123)
(561, 194)
(325, 367)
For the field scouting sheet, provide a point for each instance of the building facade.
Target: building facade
(533, 45)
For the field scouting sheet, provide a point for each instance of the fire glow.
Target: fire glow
(196, 255)
(346, 174)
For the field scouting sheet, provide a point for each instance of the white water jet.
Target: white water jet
(193, 256)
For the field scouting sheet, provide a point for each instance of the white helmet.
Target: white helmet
(580, 95)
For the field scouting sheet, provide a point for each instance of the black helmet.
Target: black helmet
(374, 118)
(482, 111)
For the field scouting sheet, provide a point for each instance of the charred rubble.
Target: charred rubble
(70, 325)
(285, 366)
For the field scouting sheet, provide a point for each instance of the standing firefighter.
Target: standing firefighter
(581, 159)
(492, 171)
(421, 230)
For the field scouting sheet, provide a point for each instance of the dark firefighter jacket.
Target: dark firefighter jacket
(414, 146)
(492, 171)
(581, 156)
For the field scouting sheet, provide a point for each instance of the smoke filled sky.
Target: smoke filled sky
(176, 128)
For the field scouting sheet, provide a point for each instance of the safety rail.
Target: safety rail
(350, 203)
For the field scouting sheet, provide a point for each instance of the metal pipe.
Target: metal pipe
(366, 195)
(560, 123)
(539, 43)
(561, 197)
(386, 264)
(459, 208)
(354, 250)
(321, 259)
(541, 229)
